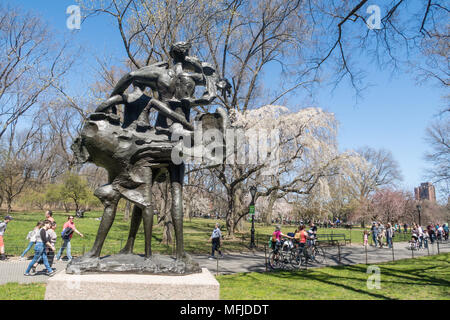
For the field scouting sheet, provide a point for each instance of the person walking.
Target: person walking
(49, 216)
(431, 233)
(39, 250)
(389, 235)
(374, 232)
(31, 237)
(420, 232)
(381, 234)
(51, 237)
(215, 241)
(366, 238)
(426, 237)
(3, 226)
(66, 239)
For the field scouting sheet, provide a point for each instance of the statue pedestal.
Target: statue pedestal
(104, 286)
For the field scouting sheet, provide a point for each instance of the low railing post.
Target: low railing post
(265, 255)
(217, 272)
(392, 244)
(366, 253)
(339, 252)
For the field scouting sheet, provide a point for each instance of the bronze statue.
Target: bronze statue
(136, 154)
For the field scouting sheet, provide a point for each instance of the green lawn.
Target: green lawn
(425, 278)
(196, 234)
(420, 278)
(15, 291)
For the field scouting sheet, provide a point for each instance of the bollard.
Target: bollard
(366, 254)
(428, 249)
(217, 272)
(437, 243)
(265, 255)
(339, 253)
(393, 258)
(412, 252)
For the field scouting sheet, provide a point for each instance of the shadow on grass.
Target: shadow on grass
(325, 278)
(404, 273)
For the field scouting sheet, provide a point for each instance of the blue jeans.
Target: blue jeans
(65, 245)
(30, 245)
(374, 238)
(39, 251)
(389, 241)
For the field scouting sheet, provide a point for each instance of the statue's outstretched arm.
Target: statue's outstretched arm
(111, 102)
(169, 113)
(146, 76)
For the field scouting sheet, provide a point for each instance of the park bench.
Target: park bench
(333, 238)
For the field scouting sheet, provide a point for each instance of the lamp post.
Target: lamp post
(419, 208)
(252, 212)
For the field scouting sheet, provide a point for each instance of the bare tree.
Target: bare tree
(30, 64)
(244, 40)
(438, 138)
(377, 168)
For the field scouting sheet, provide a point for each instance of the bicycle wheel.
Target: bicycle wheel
(295, 259)
(275, 260)
(319, 255)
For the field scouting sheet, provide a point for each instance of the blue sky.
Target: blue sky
(393, 113)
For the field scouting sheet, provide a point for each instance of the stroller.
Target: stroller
(414, 242)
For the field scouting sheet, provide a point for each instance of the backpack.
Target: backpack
(65, 234)
(30, 234)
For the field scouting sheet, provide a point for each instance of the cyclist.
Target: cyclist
(312, 233)
(301, 237)
(276, 237)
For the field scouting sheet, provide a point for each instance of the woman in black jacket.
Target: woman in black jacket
(39, 250)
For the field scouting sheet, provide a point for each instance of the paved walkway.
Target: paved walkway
(12, 270)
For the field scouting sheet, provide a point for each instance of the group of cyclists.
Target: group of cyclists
(294, 248)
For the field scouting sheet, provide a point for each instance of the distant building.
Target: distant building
(425, 191)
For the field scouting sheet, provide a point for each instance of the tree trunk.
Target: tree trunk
(268, 214)
(66, 207)
(187, 209)
(229, 216)
(239, 220)
(127, 212)
(167, 237)
(166, 216)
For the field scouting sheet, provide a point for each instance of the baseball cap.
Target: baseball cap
(8, 218)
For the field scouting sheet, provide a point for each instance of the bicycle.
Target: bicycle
(309, 253)
(315, 252)
(279, 258)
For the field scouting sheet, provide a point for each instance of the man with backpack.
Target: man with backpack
(2, 231)
(66, 235)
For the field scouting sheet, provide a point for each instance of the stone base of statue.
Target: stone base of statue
(133, 263)
(122, 286)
